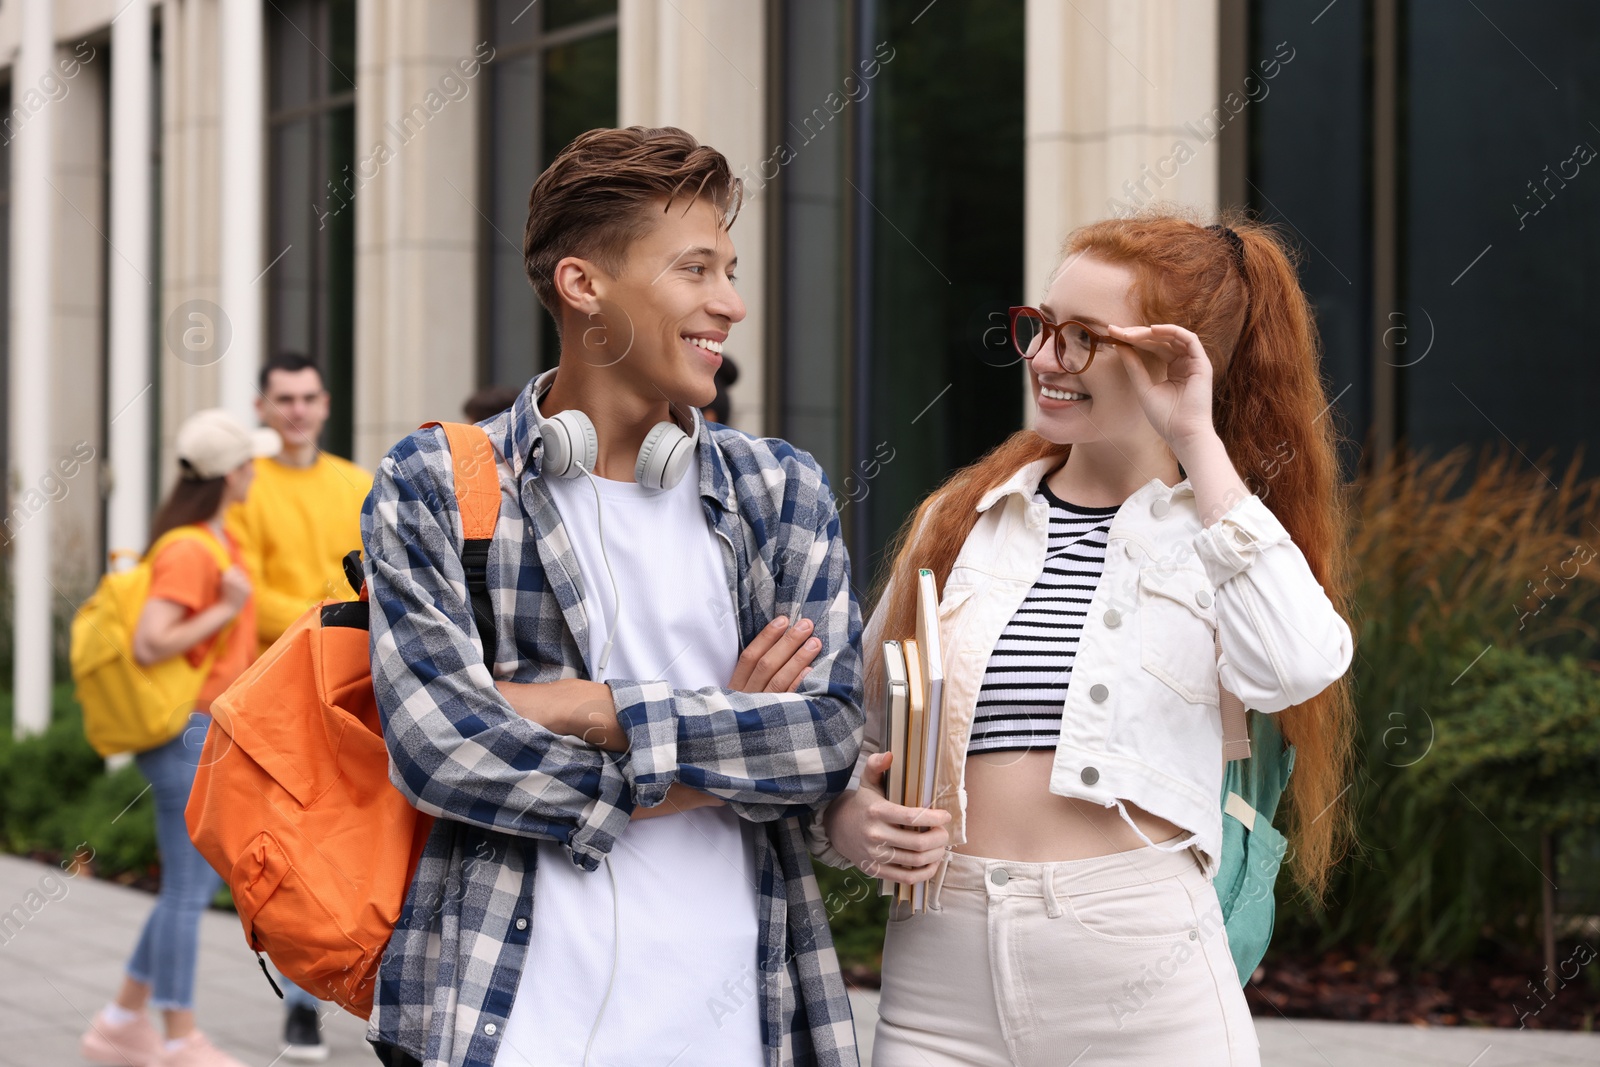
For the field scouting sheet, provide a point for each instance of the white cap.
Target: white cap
(212, 442)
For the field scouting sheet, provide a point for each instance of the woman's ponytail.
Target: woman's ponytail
(1273, 414)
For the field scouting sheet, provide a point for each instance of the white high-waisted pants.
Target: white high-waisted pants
(1118, 959)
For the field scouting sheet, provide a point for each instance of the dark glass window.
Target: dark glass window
(157, 260)
(1501, 210)
(5, 303)
(1449, 258)
(553, 76)
(898, 155)
(311, 64)
(1310, 173)
(806, 164)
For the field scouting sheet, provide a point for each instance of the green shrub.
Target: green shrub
(856, 914)
(1519, 737)
(116, 818)
(55, 795)
(1453, 561)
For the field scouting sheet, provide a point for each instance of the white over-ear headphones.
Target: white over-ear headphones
(571, 448)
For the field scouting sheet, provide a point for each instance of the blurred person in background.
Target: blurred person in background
(192, 604)
(489, 401)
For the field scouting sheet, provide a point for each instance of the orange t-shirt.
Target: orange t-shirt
(186, 573)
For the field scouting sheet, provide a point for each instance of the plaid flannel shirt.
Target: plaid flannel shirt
(498, 782)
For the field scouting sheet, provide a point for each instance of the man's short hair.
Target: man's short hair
(592, 200)
(292, 362)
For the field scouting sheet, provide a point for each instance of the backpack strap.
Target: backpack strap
(224, 561)
(477, 482)
(1240, 809)
(193, 532)
(1235, 723)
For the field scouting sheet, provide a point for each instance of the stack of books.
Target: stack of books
(913, 699)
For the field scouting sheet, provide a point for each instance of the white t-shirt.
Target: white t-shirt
(687, 894)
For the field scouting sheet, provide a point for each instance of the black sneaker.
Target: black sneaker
(302, 1033)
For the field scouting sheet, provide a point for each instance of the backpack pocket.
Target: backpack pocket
(306, 941)
(255, 877)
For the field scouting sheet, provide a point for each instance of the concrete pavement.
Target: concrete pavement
(63, 943)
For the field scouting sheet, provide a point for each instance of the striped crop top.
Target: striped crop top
(1025, 683)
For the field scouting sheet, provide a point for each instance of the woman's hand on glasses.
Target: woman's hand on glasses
(1179, 407)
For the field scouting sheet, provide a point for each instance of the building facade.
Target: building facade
(193, 185)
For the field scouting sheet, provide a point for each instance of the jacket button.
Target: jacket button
(1098, 693)
(999, 876)
(1133, 553)
(1203, 598)
(490, 1028)
(1160, 508)
(1090, 776)
(522, 924)
(1113, 618)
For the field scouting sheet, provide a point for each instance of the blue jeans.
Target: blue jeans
(167, 950)
(295, 997)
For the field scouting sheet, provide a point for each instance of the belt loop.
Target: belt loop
(1052, 906)
(938, 885)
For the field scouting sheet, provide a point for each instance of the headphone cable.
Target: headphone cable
(616, 592)
(616, 960)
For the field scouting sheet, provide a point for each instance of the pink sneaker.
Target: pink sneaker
(133, 1044)
(196, 1051)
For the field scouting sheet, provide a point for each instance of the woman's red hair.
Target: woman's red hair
(1258, 331)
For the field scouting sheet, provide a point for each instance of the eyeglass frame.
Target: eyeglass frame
(1095, 339)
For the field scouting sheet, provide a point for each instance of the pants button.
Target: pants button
(999, 876)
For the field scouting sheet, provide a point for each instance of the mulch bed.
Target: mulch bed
(1342, 988)
(1475, 993)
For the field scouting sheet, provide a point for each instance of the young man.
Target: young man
(619, 690)
(304, 511)
(303, 515)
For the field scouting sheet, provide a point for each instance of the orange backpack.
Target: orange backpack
(292, 803)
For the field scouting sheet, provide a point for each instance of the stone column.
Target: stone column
(33, 204)
(243, 219)
(192, 323)
(417, 216)
(129, 385)
(701, 65)
(1123, 110)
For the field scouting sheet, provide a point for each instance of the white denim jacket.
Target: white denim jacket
(1141, 721)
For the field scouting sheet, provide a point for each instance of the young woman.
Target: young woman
(1100, 574)
(193, 604)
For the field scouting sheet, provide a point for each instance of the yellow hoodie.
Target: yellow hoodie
(293, 531)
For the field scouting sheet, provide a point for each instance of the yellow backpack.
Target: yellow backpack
(126, 707)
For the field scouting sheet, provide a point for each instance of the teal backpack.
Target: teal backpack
(1252, 848)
